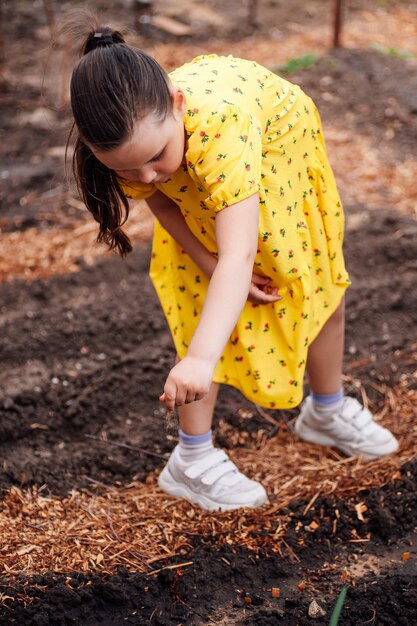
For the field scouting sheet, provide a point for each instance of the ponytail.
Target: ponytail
(100, 191)
(113, 86)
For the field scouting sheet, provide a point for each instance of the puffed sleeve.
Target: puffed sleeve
(135, 190)
(224, 156)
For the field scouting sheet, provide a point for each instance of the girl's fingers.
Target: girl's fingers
(267, 299)
(259, 296)
(260, 280)
(262, 286)
(188, 381)
(163, 400)
(180, 399)
(193, 397)
(171, 403)
(170, 395)
(190, 397)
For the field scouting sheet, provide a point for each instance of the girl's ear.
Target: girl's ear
(179, 102)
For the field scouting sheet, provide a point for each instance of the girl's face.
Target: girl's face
(155, 150)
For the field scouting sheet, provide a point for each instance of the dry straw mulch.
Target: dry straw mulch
(36, 253)
(139, 527)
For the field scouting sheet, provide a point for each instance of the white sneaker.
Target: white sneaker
(214, 482)
(352, 430)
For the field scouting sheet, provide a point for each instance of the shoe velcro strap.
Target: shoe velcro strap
(363, 419)
(226, 467)
(350, 408)
(353, 412)
(199, 467)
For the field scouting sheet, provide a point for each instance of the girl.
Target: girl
(247, 253)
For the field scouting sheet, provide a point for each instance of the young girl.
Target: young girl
(247, 253)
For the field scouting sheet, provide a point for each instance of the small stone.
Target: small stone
(8, 403)
(315, 611)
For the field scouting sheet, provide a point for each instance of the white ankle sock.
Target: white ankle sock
(327, 404)
(195, 447)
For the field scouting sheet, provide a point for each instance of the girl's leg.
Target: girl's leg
(201, 473)
(327, 418)
(325, 355)
(196, 418)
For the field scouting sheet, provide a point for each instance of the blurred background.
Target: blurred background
(365, 89)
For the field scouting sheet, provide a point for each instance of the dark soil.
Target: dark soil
(85, 355)
(229, 586)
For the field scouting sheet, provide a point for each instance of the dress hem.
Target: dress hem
(234, 382)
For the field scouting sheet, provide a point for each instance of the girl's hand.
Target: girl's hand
(261, 291)
(189, 380)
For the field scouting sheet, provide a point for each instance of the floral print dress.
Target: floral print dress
(249, 131)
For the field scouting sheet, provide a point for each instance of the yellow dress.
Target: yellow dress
(249, 131)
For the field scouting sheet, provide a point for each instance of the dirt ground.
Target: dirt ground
(85, 350)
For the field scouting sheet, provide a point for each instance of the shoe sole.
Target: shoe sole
(168, 484)
(311, 436)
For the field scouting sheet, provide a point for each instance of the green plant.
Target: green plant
(334, 619)
(393, 52)
(298, 63)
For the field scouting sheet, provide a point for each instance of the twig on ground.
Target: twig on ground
(312, 501)
(109, 520)
(265, 416)
(291, 552)
(176, 566)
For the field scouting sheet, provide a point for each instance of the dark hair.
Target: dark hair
(113, 86)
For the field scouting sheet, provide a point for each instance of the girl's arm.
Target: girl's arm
(171, 218)
(237, 238)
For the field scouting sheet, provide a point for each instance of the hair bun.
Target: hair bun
(102, 38)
